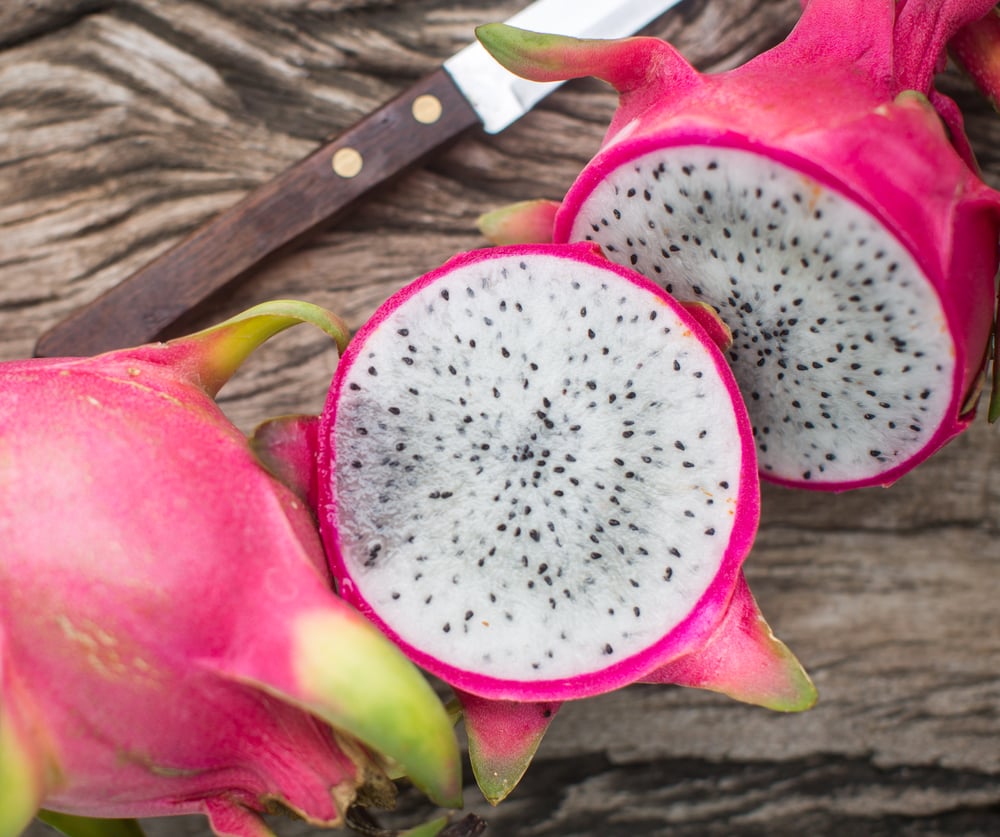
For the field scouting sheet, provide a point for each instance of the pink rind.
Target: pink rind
(704, 614)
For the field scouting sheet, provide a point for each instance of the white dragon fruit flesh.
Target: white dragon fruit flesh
(536, 475)
(823, 199)
(169, 639)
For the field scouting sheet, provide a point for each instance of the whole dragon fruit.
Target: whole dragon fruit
(823, 199)
(536, 475)
(169, 639)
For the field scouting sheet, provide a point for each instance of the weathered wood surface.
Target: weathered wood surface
(124, 123)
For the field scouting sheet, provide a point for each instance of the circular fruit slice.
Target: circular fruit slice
(542, 478)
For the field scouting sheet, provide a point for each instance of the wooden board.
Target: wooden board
(125, 124)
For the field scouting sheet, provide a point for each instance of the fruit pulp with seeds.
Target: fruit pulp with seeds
(835, 326)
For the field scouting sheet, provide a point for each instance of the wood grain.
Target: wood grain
(123, 125)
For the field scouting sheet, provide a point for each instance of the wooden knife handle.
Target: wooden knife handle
(138, 309)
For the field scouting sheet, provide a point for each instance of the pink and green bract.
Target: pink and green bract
(536, 476)
(169, 639)
(823, 199)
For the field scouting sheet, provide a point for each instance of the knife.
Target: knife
(469, 89)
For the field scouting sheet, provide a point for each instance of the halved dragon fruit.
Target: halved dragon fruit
(816, 199)
(169, 639)
(536, 475)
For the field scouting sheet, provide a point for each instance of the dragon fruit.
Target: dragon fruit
(169, 639)
(823, 199)
(536, 476)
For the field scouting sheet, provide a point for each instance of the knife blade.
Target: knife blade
(469, 89)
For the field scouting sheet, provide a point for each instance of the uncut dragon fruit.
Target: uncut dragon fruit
(169, 639)
(823, 199)
(536, 475)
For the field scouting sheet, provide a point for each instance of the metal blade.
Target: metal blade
(499, 97)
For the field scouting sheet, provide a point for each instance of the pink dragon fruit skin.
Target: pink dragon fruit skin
(722, 643)
(169, 639)
(845, 109)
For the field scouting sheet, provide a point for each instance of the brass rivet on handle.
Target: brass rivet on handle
(348, 162)
(427, 109)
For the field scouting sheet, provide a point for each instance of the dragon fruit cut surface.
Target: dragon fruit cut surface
(169, 639)
(823, 199)
(536, 475)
